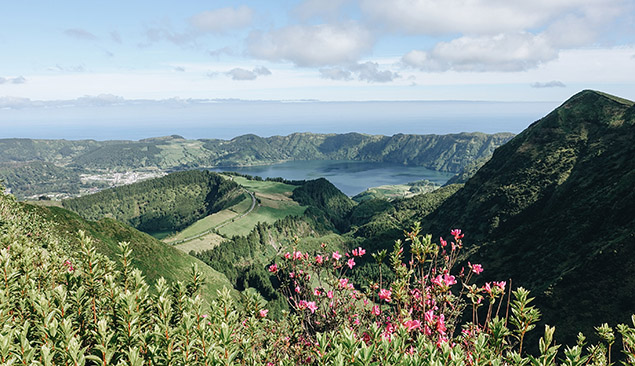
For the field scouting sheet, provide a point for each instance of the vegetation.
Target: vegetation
(554, 210)
(169, 203)
(25, 178)
(80, 308)
(326, 200)
(60, 227)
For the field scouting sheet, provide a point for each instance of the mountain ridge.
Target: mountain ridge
(554, 201)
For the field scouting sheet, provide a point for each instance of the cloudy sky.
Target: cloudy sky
(70, 53)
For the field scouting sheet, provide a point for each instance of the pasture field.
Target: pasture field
(273, 202)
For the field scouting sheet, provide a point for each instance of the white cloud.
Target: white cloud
(367, 71)
(336, 73)
(330, 9)
(79, 33)
(477, 17)
(549, 84)
(503, 52)
(15, 80)
(261, 70)
(312, 45)
(492, 35)
(244, 74)
(99, 100)
(223, 19)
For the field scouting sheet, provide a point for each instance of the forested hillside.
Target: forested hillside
(169, 203)
(554, 210)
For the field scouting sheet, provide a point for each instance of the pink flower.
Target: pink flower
(500, 285)
(457, 234)
(476, 268)
(273, 268)
(351, 263)
(319, 259)
(355, 319)
(287, 255)
(429, 316)
(317, 292)
(358, 252)
(385, 294)
(69, 265)
(336, 255)
(329, 294)
(412, 325)
(311, 306)
(343, 282)
(263, 312)
(488, 288)
(441, 324)
(297, 289)
(297, 255)
(449, 279)
(443, 242)
(375, 310)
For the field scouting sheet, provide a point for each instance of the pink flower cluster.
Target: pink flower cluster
(385, 295)
(69, 265)
(310, 305)
(444, 281)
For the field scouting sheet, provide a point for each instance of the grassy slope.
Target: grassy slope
(154, 258)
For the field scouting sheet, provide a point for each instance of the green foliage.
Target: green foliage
(77, 307)
(38, 177)
(153, 258)
(169, 203)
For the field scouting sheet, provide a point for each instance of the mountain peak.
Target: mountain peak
(588, 94)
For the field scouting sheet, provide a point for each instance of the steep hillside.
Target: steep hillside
(62, 227)
(554, 209)
(168, 203)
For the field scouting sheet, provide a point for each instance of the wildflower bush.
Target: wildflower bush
(76, 307)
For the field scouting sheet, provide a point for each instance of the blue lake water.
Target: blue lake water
(351, 177)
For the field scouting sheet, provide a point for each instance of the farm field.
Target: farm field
(272, 202)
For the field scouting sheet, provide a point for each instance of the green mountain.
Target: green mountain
(324, 199)
(169, 203)
(61, 228)
(554, 210)
(72, 158)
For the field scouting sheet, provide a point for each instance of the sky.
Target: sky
(81, 64)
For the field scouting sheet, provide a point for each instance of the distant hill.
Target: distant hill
(169, 203)
(554, 210)
(449, 153)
